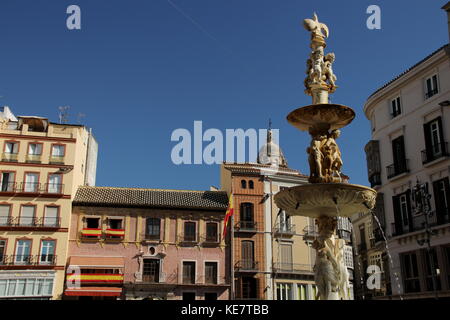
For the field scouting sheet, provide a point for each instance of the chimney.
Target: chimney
(447, 9)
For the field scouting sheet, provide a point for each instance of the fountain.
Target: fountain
(327, 196)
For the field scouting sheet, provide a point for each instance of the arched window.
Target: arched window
(250, 184)
(244, 184)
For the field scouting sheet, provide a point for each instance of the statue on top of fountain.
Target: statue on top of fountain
(320, 79)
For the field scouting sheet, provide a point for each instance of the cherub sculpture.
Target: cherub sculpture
(328, 71)
(316, 27)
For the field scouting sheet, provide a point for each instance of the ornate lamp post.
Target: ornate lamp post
(421, 198)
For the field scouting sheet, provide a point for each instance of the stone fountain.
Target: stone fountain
(328, 195)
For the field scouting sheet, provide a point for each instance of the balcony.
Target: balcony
(32, 188)
(435, 152)
(297, 268)
(9, 157)
(418, 223)
(431, 93)
(210, 240)
(150, 237)
(284, 230)
(91, 233)
(375, 180)
(28, 260)
(57, 160)
(246, 265)
(245, 226)
(115, 234)
(33, 158)
(191, 239)
(397, 169)
(310, 233)
(30, 223)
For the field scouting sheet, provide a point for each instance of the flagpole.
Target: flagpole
(233, 296)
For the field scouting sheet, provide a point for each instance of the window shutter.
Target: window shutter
(397, 216)
(428, 143)
(408, 204)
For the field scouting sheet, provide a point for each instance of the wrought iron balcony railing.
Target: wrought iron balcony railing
(245, 226)
(7, 186)
(33, 158)
(375, 180)
(246, 265)
(282, 267)
(57, 159)
(397, 168)
(431, 93)
(32, 187)
(284, 229)
(9, 157)
(150, 237)
(435, 152)
(188, 238)
(210, 239)
(28, 260)
(42, 222)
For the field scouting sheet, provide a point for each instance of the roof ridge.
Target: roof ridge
(147, 189)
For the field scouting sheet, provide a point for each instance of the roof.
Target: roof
(256, 168)
(95, 261)
(160, 198)
(410, 69)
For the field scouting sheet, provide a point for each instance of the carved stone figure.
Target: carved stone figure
(332, 161)
(328, 71)
(319, 31)
(316, 71)
(315, 156)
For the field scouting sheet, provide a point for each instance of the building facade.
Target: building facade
(42, 163)
(139, 244)
(410, 121)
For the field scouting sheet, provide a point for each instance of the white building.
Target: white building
(410, 123)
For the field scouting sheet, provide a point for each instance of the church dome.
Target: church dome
(271, 154)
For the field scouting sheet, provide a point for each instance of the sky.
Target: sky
(140, 69)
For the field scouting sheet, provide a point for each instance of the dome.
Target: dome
(271, 154)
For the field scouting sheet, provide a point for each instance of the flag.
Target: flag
(228, 215)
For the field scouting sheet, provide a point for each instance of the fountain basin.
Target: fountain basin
(326, 199)
(329, 116)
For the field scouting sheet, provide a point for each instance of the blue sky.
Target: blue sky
(139, 69)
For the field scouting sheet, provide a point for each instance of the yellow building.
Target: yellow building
(41, 166)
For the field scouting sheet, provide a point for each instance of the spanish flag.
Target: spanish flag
(228, 215)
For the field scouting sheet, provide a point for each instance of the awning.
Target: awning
(94, 291)
(96, 262)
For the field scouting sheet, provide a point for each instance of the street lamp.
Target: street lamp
(421, 198)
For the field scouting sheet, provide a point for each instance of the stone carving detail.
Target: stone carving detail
(320, 79)
(330, 272)
(325, 160)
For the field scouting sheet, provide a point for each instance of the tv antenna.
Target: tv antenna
(80, 116)
(63, 114)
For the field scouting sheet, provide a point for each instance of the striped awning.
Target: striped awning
(96, 262)
(94, 291)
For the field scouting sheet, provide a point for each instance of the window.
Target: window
(26, 288)
(246, 216)
(153, 228)
(7, 181)
(285, 222)
(4, 214)
(402, 213)
(251, 184)
(399, 156)
(35, 149)
(211, 272)
(435, 146)
(2, 251)
(249, 288)
(27, 215)
(211, 232)
(58, 151)
(430, 272)
(31, 182)
(115, 229)
(189, 231)
(151, 270)
(247, 255)
(23, 248)
(54, 183)
(395, 107)
(243, 184)
(286, 257)
(47, 252)
(115, 223)
(411, 272)
(284, 291)
(189, 272)
(11, 147)
(431, 86)
(441, 190)
(93, 223)
(51, 216)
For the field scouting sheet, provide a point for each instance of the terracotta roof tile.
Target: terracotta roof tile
(134, 197)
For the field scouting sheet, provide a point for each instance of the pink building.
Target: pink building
(147, 244)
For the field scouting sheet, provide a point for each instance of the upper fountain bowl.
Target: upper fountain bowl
(326, 199)
(330, 116)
